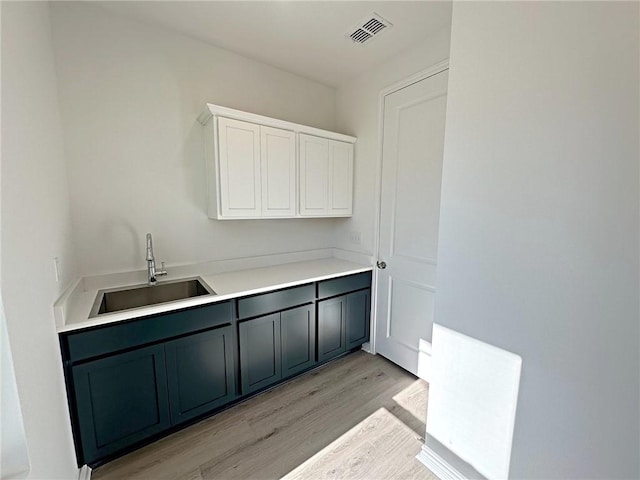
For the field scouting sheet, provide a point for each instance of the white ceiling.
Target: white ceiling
(308, 38)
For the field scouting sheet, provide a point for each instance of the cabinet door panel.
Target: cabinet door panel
(200, 373)
(121, 400)
(358, 315)
(260, 364)
(340, 178)
(331, 328)
(239, 155)
(278, 169)
(314, 174)
(298, 329)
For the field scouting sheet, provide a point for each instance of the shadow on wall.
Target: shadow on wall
(15, 458)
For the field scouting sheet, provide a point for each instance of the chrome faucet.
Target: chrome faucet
(152, 273)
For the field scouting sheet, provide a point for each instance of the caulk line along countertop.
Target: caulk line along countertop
(73, 308)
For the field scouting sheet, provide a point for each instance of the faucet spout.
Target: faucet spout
(149, 248)
(152, 272)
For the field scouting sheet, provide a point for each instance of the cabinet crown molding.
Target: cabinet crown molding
(212, 110)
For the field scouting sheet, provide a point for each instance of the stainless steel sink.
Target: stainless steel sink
(119, 299)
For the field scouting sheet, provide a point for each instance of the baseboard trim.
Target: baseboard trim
(437, 464)
(84, 473)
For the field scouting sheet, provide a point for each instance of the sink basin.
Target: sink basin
(119, 299)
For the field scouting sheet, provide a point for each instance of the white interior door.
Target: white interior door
(413, 141)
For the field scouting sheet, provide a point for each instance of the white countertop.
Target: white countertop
(78, 303)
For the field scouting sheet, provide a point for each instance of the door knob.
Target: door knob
(381, 265)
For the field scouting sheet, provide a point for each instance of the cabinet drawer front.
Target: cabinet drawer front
(112, 338)
(342, 285)
(272, 302)
(120, 400)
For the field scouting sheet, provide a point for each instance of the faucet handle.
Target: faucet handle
(162, 271)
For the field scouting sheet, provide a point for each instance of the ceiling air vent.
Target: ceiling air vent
(371, 27)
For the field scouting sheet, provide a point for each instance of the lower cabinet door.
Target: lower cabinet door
(260, 364)
(298, 331)
(200, 373)
(358, 316)
(331, 327)
(120, 400)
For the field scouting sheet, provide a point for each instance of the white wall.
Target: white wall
(357, 105)
(35, 229)
(14, 460)
(130, 95)
(539, 221)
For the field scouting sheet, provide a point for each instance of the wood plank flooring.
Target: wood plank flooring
(360, 417)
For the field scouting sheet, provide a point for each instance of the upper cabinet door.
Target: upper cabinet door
(340, 178)
(314, 175)
(239, 160)
(278, 164)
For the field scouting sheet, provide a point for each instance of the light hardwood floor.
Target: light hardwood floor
(359, 417)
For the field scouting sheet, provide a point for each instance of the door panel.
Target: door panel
(357, 318)
(239, 151)
(410, 305)
(121, 400)
(331, 327)
(260, 363)
(314, 172)
(413, 142)
(278, 167)
(298, 328)
(340, 178)
(200, 371)
(418, 174)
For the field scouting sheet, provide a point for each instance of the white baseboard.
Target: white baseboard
(435, 463)
(367, 348)
(424, 360)
(84, 473)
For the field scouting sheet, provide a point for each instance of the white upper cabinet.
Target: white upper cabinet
(326, 177)
(314, 175)
(260, 167)
(340, 186)
(239, 159)
(278, 164)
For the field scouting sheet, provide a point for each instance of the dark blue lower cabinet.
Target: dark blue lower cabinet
(200, 373)
(343, 323)
(188, 367)
(276, 346)
(298, 333)
(121, 400)
(260, 349)
(331, 327)
(358, 318)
